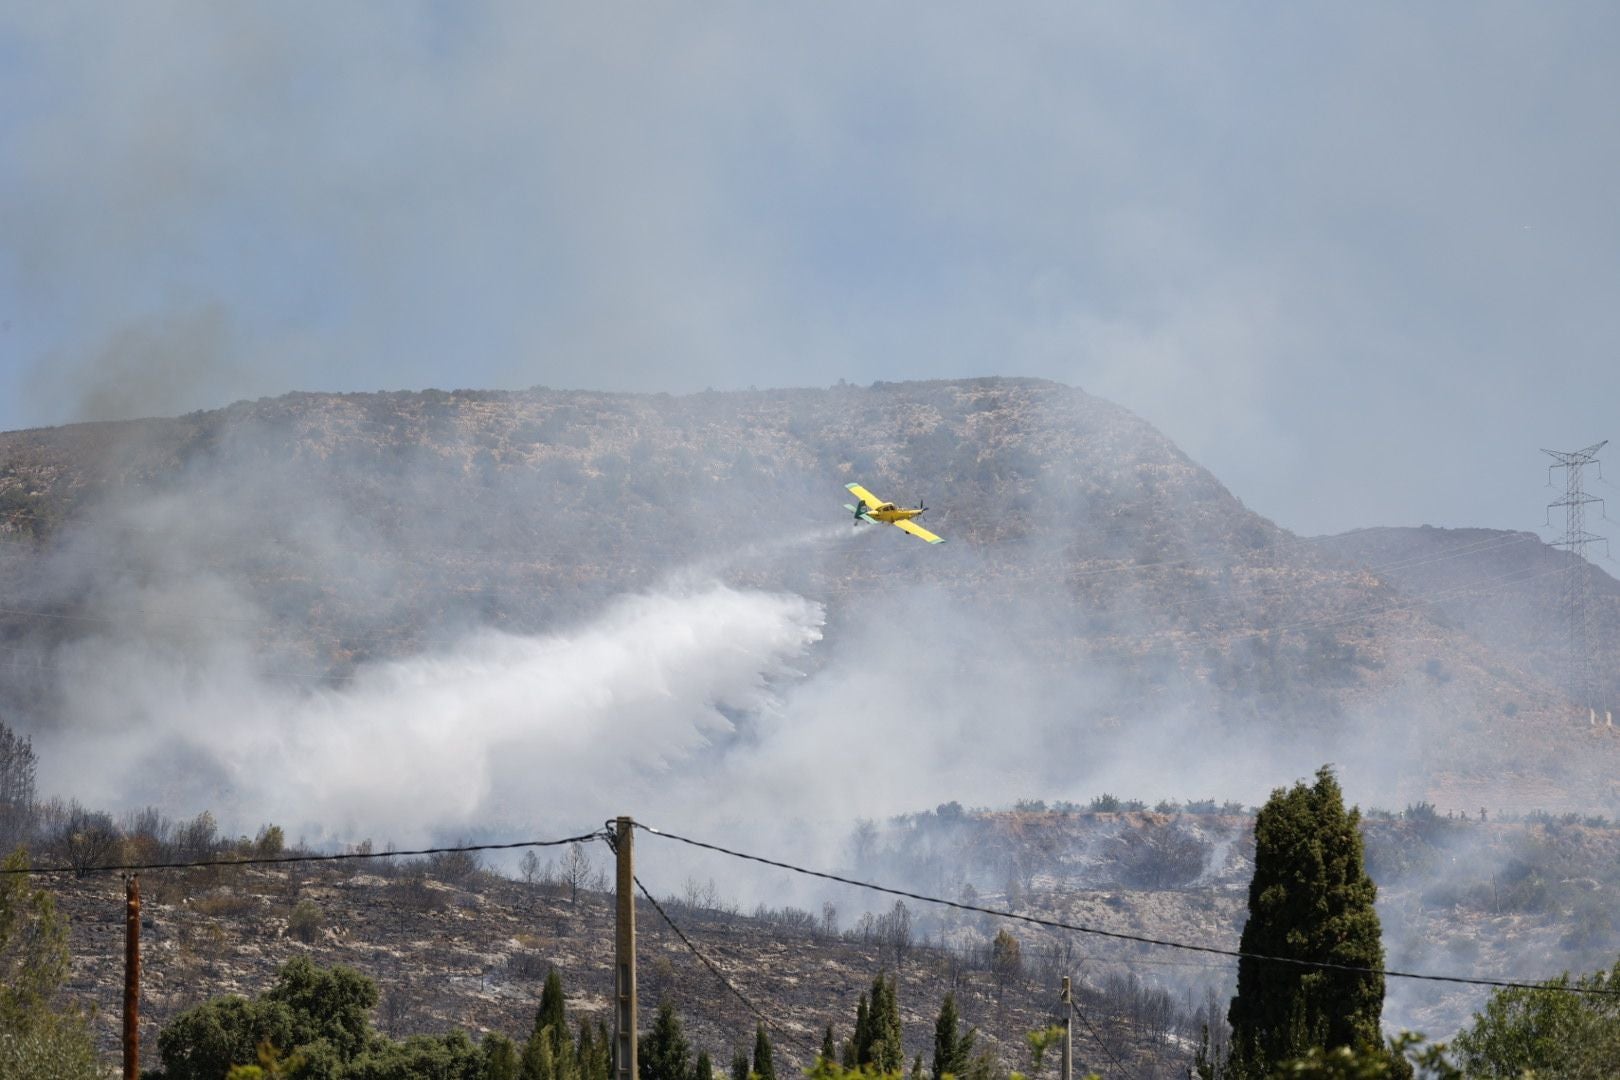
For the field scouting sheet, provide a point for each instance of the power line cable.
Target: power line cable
(263, 860)
(1077, 1011)
(716, 972)
(1057, 924)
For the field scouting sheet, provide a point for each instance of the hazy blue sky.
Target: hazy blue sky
(1362, 260)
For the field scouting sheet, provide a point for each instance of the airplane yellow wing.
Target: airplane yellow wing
(865, 496)
(917, 530)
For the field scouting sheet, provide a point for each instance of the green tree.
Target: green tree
(952, 1049)
(829, 1048)
(549, 1054)
(764, 1065)
(877, 1028)
(204, 1042)
(37, 1041)
(1310, 899)
(828, 1070)
(593, 1053)
(704, 1069)
(1548, 1032)
(739, 1065)
(305, 921)
(33, 945)
(663, 1053)
(1406, 1055)
(421, 1057)
(553, 1012)
(501, 1058)
(272, 1066)
(858, 1050)
(321, 1014)
(539, 1059)
(328, 1005)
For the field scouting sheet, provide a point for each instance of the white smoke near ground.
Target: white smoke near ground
(497, 730)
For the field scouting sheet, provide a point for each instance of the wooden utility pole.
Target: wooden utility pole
(1068, 1018)
(624, 954)
(132, 977)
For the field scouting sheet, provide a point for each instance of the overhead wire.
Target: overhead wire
(715, 970)
(1117, 935)
(721, 975)
(1075, 1010)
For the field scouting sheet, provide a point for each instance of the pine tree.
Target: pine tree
(1310, 899)
(764, 1067)
(952, 1051)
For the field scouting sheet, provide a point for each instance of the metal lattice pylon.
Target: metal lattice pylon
(1577, 611)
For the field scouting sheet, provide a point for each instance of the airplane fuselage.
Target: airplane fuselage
(888, 512)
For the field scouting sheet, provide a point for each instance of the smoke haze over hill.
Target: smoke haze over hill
(415, 616)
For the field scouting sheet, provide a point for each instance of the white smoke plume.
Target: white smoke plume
(494, 731)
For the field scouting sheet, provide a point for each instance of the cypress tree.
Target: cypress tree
(829, 1049)
(704, 1069)
(539, 1060)
(593, 1052)
(862, 1039)
(952, 1051)
(663, 1053)
(552, 1013)
(1310, 899)
(739, 1065)
(764, 1067)
(885, 1052)
(500, 1057)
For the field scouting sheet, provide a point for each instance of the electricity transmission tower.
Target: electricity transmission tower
(1576, 608)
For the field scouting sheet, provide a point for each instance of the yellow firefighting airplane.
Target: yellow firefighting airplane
(872, 508)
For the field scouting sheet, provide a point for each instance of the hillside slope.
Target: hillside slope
(1522, 610)
(1119, 586)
